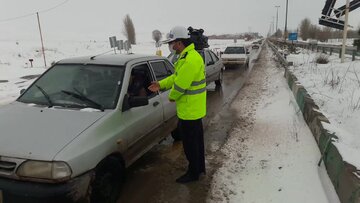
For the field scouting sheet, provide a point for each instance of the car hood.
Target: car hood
(231, 56)
(33, 132)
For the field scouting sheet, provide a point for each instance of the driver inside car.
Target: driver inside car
(136, 86)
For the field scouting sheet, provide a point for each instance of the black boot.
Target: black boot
(186, 178)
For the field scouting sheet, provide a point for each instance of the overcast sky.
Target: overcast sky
(90, 19)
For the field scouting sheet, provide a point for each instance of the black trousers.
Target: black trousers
(192, 135)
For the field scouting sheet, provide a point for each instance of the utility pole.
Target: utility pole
(343, 49)
(287, 8)
(42, 41)
(277, 17)
(273, 23)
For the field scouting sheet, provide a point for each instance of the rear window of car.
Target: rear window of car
(234, 50)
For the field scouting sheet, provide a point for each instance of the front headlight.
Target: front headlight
(54, 171)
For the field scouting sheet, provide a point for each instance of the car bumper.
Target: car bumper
(75, 190)
(234, 62)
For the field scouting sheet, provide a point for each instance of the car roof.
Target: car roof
(236, 46)
(113, 59)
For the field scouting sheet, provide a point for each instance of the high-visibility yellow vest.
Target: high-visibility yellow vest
(188, 85)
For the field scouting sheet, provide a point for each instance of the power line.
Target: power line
(30, 14)
(52, 8)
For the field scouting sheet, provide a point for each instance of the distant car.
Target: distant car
(72, 133)
(213, 64)
(235, 55)
(255, 46)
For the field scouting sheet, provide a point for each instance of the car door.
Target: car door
(218, 65)
(210, 68)
(162, 70)
(144, 119)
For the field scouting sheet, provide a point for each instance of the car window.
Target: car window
(160, 69)
(234, 50)
(140, 80)
(99, 83)
(202, 55)
(169, 66)
(214, 57)
(208, 58)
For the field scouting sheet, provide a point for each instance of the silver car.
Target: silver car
(72, 133)
(213, 65)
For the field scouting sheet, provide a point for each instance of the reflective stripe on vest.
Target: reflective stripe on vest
(191, 92)
(196, 83)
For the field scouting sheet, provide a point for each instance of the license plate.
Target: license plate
(1, 197)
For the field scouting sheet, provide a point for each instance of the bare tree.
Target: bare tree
(313, 32)
(278, 33)
(129, 29)
(324, 34)
(357, 42)
(156, 35)
(305, 27)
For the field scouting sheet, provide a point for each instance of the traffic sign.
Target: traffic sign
(293, 36)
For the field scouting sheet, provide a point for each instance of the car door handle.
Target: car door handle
(156, 103)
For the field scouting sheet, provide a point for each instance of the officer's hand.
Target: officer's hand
(154, 87)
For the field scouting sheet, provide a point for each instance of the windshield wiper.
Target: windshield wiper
(80, 96)
(47, 97)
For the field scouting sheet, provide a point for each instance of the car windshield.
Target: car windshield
(77, 86)
(234, 50)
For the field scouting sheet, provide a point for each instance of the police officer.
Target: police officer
(188, 90)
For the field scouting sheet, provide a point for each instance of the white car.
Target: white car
(70, 136)
(235, 55)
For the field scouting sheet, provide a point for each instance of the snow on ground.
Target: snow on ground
(15, 55)
(335, 87)
(271, 155)
(337, 42)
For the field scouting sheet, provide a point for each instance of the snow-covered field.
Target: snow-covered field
(15, 55)
(335, 87)
(337, 42)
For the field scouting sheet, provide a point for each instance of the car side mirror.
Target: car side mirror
(134, 101)
(22, 91)
(138, 101)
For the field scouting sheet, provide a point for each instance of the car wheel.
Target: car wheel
(175, 134)
(109, 178)
(220, 80)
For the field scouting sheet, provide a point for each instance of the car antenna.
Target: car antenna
(93, 57)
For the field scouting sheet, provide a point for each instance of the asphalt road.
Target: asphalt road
(152, 177)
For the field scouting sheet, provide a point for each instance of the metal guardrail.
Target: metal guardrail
(280, 56)
(327, 49)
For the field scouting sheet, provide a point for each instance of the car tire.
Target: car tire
(109, 178)
(175, 134)
(219, 81)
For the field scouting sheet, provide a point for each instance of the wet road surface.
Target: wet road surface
(152, 177)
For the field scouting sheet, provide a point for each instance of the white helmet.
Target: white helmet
(177, 32)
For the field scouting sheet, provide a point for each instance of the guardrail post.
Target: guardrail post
(353, 55)
(331, 50)
(323, 50)
(312, 47)
(340, 53)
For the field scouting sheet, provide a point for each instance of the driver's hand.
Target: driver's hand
(154, 87)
